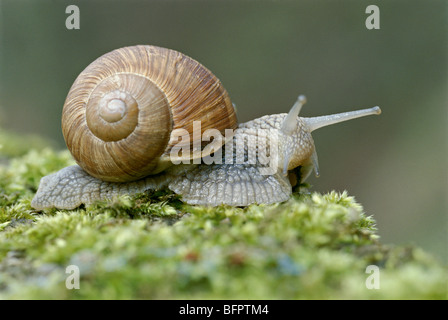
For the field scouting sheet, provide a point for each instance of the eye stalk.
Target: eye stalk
(289, 126)
(323, 121)
(290, 123)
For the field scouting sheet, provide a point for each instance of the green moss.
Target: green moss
(154, 246)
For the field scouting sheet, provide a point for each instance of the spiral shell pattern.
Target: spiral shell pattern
(120, 113)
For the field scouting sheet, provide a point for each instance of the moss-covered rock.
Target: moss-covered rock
(153, 246)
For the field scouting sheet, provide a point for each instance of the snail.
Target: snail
(145, 118)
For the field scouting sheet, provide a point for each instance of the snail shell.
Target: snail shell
(119, 117)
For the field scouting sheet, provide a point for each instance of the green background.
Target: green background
(266, 53)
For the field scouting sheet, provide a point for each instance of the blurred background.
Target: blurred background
(266, 53)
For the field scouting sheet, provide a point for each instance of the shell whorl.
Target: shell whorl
(121, 110)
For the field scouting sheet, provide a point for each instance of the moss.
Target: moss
(153, 246)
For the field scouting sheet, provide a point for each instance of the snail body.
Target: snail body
(129, 122)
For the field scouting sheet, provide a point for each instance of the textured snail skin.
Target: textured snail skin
(71, 186)
(152, 92)
(212, 185)
(233, 183)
